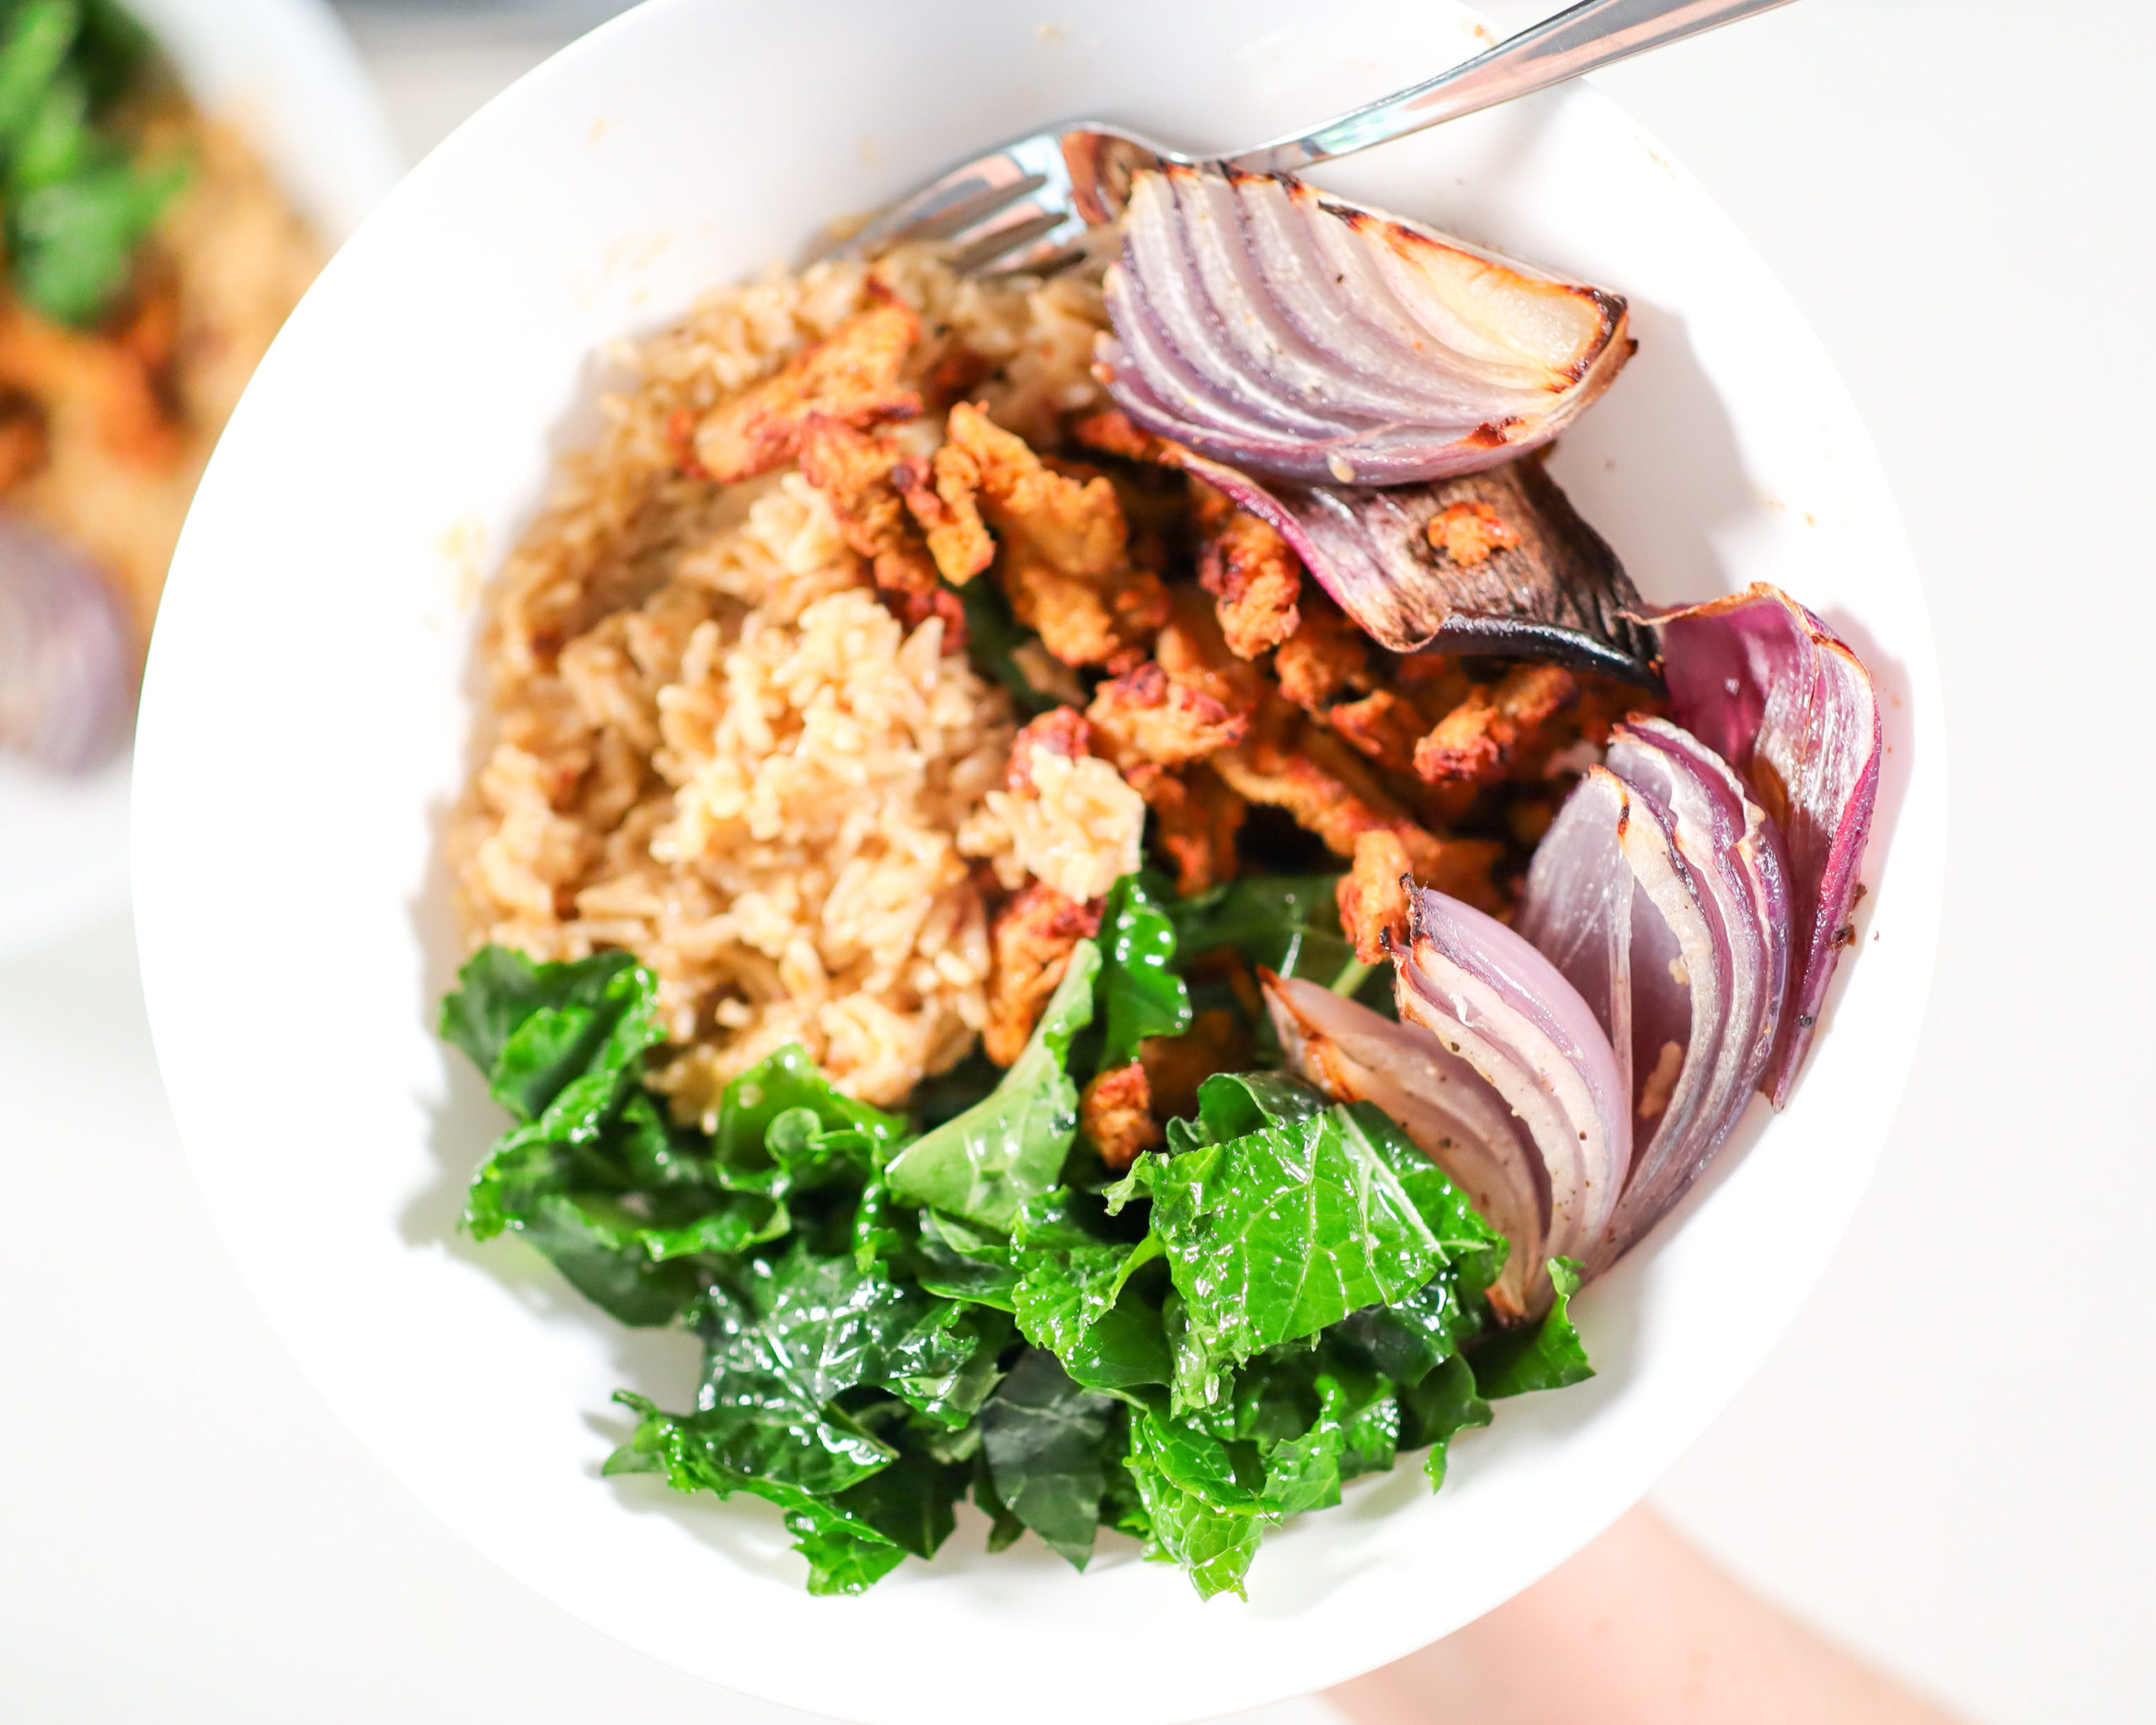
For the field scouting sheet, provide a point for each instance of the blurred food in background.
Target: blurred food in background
(149, 260)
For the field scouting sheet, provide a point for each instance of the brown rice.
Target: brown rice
(711, 745)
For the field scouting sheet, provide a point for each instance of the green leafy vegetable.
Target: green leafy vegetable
(1011, 1145)
(783, 1129)
(961, 1263)
(1140, 995)
(1289, 923)
(1356, 1431)
(1232, 1104)
(77, 207)
(1276, 1234)
(1547, 1357)
(1442, 1404)
(594, 1177)
(1199, 1514)
(909, 1503)
(1041, 1434)
(1073, 1294)
(538, 1029)
(847, 1551)
(1286, 1299)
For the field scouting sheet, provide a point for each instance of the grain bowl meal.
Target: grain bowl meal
(149, 260)
(1099, 882)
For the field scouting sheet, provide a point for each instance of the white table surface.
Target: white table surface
(1946, 1464)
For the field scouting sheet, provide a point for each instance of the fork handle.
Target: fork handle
(1583, 39)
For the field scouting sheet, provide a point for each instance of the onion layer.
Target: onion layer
(67, 654)
(1302, 337)
(1768, 686)
(1528, 578)
(1495, 1002)
(1659, 892)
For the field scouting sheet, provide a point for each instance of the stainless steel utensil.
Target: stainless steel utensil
(1024, 205)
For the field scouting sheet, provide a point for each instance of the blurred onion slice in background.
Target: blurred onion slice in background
(68, 657)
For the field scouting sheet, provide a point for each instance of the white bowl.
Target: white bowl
(286, 73)
(308, 720)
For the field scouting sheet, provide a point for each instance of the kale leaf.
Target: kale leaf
(536, 1030)
(594, 1177)
(1139, 993)
(1073, 1297)
(78, 207)
(1547, 1357)
(1278, 1233)
(1198, 1513)
(1043, 1434)
(1289, 923)
(783, 1129)
(1011, 1145)
(846, 1551)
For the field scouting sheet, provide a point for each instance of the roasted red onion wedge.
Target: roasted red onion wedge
(1768, 686)
(1659, 892)
(68, 657)
(1496, 562)
(1497, 1004)
(1455, 1117)
(1296, 336)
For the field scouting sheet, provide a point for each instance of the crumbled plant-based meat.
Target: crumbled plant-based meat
(939, 494)
(1436, 682)
(1116, 1114)
(1479, 740)
(1254, 574)
(1142, 716)
(1468, 532)
(1076, 525)
(1372, 897)
(854, 471)
(853, 375)
(1030, 941)
(1330, 792)
(1381, 725)
(1083, 621)
(1326, 656)
(118, 391)
(1193, 651)
(1196, 818)
(25, 441)
(952, 373)
(1256, 580)
(1113, 433)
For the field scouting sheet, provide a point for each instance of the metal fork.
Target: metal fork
(1025, 204)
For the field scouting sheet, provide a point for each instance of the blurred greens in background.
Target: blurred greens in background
(77, 202)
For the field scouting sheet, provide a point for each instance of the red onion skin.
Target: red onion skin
(1735, 962)
(1270, 326)
(1770, 688)
(1725, 838)
(1495, 1001)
